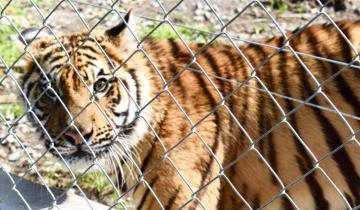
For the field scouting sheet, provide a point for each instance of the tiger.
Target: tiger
(187, 125)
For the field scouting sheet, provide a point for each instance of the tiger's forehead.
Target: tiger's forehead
(69, 45)
(72, 40)
(75, 53)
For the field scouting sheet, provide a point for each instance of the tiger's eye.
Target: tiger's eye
(48, 92)
(101, 85)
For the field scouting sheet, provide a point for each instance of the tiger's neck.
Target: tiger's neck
(181, 89)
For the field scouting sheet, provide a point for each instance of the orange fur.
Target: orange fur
(199, 170)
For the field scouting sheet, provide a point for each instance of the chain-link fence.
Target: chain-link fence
(235, 23)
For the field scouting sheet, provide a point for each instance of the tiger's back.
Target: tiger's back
(272, 151)
(215, 127)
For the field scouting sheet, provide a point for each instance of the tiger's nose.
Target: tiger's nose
(74, 138)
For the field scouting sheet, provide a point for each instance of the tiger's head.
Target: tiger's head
(84, 91)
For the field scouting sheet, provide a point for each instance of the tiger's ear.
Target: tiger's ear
(29, 35)
(122, 32)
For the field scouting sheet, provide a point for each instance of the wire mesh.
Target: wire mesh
(221, 31)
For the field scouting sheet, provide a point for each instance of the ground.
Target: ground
(194, 20)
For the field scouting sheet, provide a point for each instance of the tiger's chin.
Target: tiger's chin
(108, 157)
(82, 161)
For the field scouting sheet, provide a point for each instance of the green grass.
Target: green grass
(39, 1)
(165, 31)
(96, 181)
(97, 184)
(279, 5)
(8, 49)
(260, 28)
(7, 109)
(9, 52)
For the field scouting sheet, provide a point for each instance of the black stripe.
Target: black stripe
(265, 121)
(181, 89)
(286, 204)
(251, 59)
(178, 83)
(171, 200)
(137, 85)
(332, 137)
(341, 84)
(51, 52)
(272, 152)
(124, 187)
(211, 99)
(111, 92)
(234, 61)
(175, 49)
(87, 56)
(303, 159)
(67, 73)
(314, 186)
(244, 190)
(102, 73)
(86, 76)
(177, 53)
(93, 75)
(215, 145)
(87, 63)
(147, 191)
(239, 69)
(146, 160)
(243, 119)
(214, 67)
(88, 47)
(125, 84)
(47, 55)
(58, 57)
(26, 83)
(262, 143)
(212, 102)
(133, 76)
(271, 143)
(256, 202)
(57, 66)
(29, 74)
(345, 89)
(148, 156)
(28, 87)
(120, 114)
(349, 199)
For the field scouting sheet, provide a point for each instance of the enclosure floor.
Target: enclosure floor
(37, 196)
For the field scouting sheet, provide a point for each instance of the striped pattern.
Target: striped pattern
(197, 154)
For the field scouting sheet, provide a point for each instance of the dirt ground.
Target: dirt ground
(242, 22)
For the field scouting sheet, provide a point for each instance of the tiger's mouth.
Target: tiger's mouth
(80, 157)
(81, 154)
(86, 153)
(71, 154)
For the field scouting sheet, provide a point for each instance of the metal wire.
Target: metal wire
(111, 8)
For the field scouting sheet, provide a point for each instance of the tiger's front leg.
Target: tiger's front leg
(185, 177)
